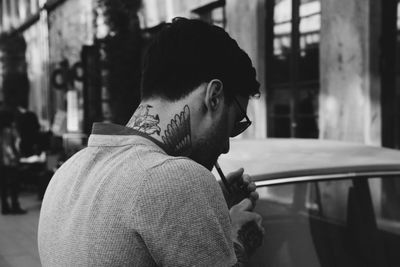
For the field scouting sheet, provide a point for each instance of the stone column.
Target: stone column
(34, 6)
(350, 107)
(22, 10)
(6, 15)
(14, 14)
(246, 24)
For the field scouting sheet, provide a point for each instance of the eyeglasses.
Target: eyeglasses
(240, 126)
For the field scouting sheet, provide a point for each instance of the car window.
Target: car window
(281, 194)
(342, 222)
(386, 201)
(328, 199)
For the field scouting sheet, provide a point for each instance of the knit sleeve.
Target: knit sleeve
(184, 220)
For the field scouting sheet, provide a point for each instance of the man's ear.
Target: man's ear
(214, 97)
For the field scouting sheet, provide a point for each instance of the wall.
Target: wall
(15, 12)
(248, 30)
(37, 58)
(70, 27)
(155, 12)
(350, 82)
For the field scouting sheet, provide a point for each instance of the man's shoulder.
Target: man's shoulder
(179, 173)
(179, 166)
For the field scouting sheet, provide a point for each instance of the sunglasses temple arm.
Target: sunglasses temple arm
(221, 174)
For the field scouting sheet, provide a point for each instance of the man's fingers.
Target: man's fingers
(246, 178)
(257, 219)
(252, 216)
(235, 175)
(251, 187)
(254, 196)
(245, 204)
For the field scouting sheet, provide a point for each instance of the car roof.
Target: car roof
(274, 158)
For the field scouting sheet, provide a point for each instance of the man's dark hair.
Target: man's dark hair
(188, 52)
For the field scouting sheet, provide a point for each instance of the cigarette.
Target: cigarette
(221, 174)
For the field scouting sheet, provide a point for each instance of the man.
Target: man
(143, 195)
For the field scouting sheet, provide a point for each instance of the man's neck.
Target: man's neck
(169, 124)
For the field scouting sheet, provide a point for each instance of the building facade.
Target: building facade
(328, 68)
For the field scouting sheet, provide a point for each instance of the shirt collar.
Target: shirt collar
(100, 128)
(109, 134)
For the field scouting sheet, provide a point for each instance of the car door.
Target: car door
(346, 221)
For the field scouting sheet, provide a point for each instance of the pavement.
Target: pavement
(18, 235)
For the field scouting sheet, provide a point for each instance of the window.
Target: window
(293, 68)
(343, 222)
(213, 13)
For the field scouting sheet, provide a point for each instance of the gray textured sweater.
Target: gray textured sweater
(122, 201)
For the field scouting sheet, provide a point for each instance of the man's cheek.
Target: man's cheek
(226, 147)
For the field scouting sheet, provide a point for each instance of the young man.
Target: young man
(143, 195)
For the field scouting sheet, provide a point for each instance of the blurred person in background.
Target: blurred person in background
(9, 161)
(32, 146)
(28, 127)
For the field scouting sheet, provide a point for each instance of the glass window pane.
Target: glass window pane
(345, 222)
(293, 67)
(386, 198)
(282, 194)
(310, 25)
(307, 111)
(281, 40)
(334, 198)
(281, 127)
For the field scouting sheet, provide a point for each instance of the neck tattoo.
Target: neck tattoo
(144, 122)
(177, 135)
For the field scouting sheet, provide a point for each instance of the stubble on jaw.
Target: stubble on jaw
(208, 148)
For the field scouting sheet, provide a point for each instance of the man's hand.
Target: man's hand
(247, 229)
(241, 187)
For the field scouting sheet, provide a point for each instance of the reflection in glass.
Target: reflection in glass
(346, 222)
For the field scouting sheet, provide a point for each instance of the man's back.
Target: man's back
(123, 201)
